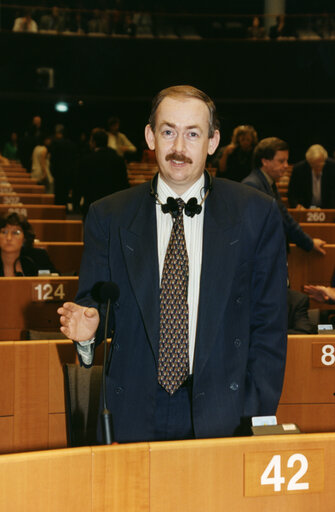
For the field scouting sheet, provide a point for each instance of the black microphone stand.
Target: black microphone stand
(106, 416)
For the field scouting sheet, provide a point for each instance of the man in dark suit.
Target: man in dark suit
(312, 181)
(103, 171)
(271, 162)
(236, 295)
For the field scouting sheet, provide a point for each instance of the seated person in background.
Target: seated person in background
(312, 182)
(235, 162)
(18, 257)
(298, 319)
(40, 166)
(256, 31)
(118, 140)
(25, 23)
(280, 29)
(54, 20)
(10, 149)
(271, 162)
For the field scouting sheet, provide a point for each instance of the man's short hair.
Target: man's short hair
(185, 91)
(267, 148)
(315, 151)
(100, 137)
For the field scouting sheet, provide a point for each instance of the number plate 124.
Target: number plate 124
(48, 292)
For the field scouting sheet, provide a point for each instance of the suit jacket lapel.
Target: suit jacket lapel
(139, 244)
(220, 247)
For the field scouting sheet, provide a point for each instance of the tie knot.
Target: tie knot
(180, 204)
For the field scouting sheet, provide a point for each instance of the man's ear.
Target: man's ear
(264, 162)
(149, 137)
(213, 142)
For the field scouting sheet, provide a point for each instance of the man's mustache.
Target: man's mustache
(178, 157)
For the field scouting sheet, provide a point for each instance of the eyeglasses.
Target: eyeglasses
(12, 232)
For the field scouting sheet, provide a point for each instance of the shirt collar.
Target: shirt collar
(268, 178)
(196, 190)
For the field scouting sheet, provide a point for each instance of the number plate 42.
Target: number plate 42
(267, 474)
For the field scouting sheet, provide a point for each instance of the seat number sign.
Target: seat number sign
(283, 472)
(49, 292)
(323, 355)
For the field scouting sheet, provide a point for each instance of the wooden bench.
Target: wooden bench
(25, 180)
(13, 174)
(139, 172)
(311, 268)
(66, 256)
(14, 198)
(308, 397)
(313, 215)
(32, 211)
(32, 302)
(20, 189)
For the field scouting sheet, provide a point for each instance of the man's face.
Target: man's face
(317, 164)
(114, 128)
(181, 141)
(245, 141)
(276, 167)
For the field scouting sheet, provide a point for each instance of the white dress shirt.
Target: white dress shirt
(193, 227)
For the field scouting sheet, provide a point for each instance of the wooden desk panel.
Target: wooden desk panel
(14, 198)
(31, 427)
(47, 211)
(26, 189)
(33, 415)
(303, 382)
(209, 476)
(311, 268)
(7, 383)
(58, 231)
(20, 313)
(122, 467)
(309, 417)
(60, 480)
(66, 256)
(325, 231)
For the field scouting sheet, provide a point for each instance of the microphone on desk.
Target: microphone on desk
(106, 293)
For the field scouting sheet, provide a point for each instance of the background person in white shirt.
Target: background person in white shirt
(118, 140)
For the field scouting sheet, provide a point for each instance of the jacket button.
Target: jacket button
(238, 300)
(233, 386)
(116, 346)
(237, 342)
(118, 390)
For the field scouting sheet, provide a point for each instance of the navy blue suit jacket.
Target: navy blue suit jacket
(242, 318)
(293, 231)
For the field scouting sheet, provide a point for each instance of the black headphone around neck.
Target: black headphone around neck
(191, 207)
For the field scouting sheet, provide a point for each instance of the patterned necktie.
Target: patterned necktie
(173, 362)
